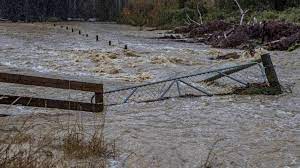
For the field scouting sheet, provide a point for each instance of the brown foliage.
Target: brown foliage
(274, 35)
(34, 145)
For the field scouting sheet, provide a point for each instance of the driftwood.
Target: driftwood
(284, 43)
(274, 35)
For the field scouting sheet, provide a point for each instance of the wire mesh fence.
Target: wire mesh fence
(204, 83)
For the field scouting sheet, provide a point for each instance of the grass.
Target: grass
(18, 148)
(75, 145)
(53, 144)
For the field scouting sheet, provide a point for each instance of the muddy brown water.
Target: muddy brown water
(254, 131)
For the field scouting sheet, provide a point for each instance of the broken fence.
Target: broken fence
(204, 83)
(52, 83)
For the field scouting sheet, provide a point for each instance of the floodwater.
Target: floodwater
(241, 131)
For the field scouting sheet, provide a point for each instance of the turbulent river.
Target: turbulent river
(241, 131)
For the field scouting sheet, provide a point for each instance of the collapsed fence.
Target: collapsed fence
(205, 83)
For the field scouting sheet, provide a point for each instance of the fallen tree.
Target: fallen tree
(273, 35)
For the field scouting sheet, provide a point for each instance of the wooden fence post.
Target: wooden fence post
(271, 73)
(99, 99)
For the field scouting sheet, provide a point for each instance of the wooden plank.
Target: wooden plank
(49, 103)
(50, 82)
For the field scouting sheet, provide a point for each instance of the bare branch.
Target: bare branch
(200, 15)
(243, 13)
(187, 22)
(241, 9)
(191, 20)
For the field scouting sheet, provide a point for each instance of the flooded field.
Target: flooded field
(238, 131)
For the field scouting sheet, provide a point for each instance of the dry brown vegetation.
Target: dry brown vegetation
(272, 35)
(33, 143)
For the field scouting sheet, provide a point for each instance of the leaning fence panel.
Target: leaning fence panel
(203, 83)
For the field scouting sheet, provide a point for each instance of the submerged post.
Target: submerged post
(79, 32)
(271, 73)
(97, 38)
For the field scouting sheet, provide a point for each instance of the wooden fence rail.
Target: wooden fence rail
(53, 83)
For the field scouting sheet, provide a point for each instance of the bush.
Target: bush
(288, 15)
(268, 15)
(171, 18)
(216, 14)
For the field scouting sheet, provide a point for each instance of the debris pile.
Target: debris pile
(273, 35)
